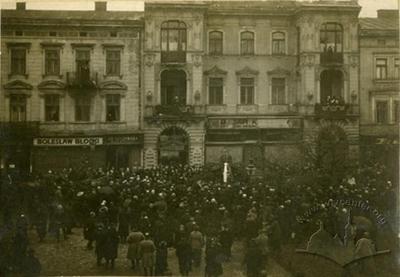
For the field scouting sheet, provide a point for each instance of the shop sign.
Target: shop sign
(70, 141)
(253, 123)
(124, 139)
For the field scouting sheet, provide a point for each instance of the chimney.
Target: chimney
(21, 6)
(388, 14)
(100, 6)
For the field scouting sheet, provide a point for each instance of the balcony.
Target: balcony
(18, 131)
(78, 81)
(331, 58)
(174, 113)
(173, 57)
(331, 110)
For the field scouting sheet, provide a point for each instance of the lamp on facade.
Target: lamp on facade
(149, 96)
(197, 96)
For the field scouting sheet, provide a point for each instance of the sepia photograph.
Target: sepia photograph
(225, 138)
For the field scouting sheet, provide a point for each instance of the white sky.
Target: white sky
(369, 7)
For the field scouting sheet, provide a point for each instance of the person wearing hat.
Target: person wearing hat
(133, 240)
(184, 254)
(213, 258)
(253, 260)
(111, 246)
(31, 266)
(226, 240)
(161, 265)
(147, 252)
(196, 243)
(89, 230)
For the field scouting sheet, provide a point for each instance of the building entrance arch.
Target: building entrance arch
(173, 146)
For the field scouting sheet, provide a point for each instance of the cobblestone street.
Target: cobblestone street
(70, 257)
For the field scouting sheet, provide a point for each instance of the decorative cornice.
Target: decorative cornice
(278, 71)
(52, 44)
(112, 85)
(19, 44)
(247, 71)
(18, 85)
(215, 70)
(85, 45)
(52, 85)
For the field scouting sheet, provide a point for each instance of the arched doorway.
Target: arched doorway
(332, 150)
(173, 146)
(331, 86)
(173, 87)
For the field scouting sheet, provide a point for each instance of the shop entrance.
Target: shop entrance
(117, 157)
(173, 146)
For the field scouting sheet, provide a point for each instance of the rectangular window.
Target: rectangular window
(113, 62)
(278, 96)
(113, 107)
(381, 69)
(278, 43)
(247, 43)
(52, 107)
(382, 112)
(215, 43)
(52, 62)
(396, 111)
(396, 68)
(83, 66)
(17, 108)
(215, 91)
(18, 61)
(247, 91)
(82, 108)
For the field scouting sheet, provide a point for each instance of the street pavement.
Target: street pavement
(70, 257)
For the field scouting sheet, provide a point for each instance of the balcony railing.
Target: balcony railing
(331, 58)
(331, 110)
(23, 130)
(173, 57)
(83, 81)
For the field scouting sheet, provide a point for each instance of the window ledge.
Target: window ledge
(388, 80)
(82, 122)
(18, 75)
(110, 76)
(113, 122)
(52, 122)
(278, 55)
(58, 76)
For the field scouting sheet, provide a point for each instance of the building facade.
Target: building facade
(70, 89)
(380, 80)
(256, 79)
(190, 82)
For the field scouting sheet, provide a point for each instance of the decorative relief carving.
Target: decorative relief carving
(353, 60)
(196, 60)
(149, 59)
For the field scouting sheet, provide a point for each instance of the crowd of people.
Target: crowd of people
(188, 208)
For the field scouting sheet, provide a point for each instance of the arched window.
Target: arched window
(331, 38)
(215, 43)
(247, 43)
(173, 41)
(278, 43)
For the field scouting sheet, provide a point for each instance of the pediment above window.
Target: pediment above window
(112, 87)
(247, 71)
(279, 71)
(52, 87)
(51, 84)
(215, 71)
(18, 84)
(18, 87)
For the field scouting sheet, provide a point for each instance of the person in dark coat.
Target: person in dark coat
(123, 227)
(253, 260)
(20, 244)
(101, 236)
(89, 230)
(161, 258)
(147, 251)
(31, 266)
(226, 240)
(184, 254)
(213, 259)
(111, 246)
